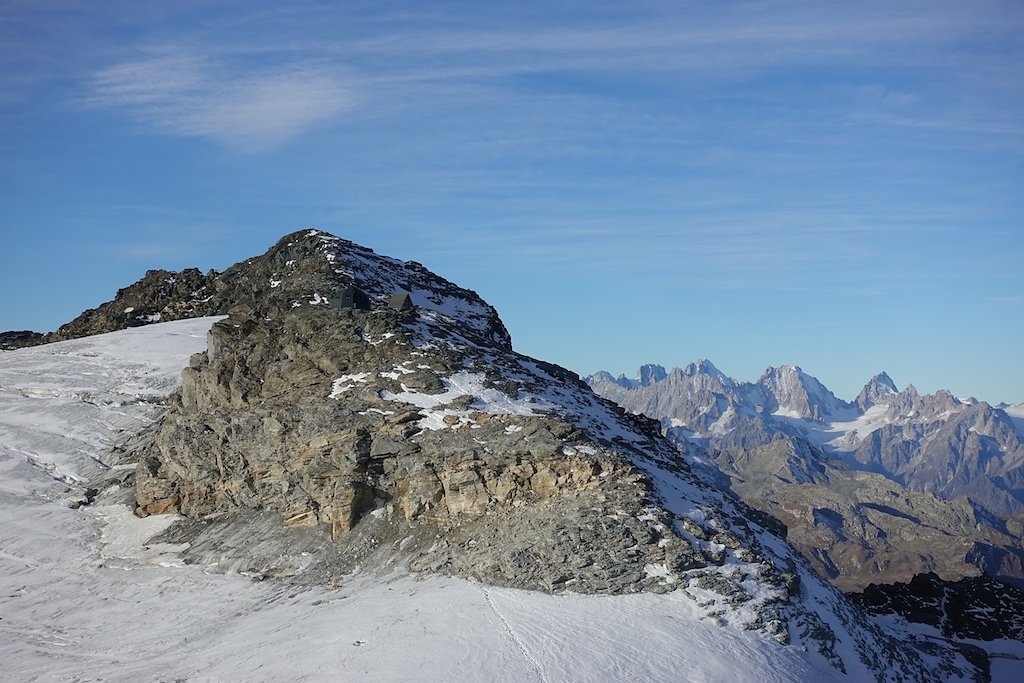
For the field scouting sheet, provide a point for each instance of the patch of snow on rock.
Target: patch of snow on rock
(346, 382)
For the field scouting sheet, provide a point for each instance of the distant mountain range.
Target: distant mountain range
(892, 484)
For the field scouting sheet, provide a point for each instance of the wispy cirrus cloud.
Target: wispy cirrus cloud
(286, 69)
(245, 109)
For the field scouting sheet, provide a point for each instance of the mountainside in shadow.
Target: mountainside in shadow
(977, 608)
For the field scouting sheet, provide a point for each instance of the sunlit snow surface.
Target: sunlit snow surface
(83, 597)
(1016, 414)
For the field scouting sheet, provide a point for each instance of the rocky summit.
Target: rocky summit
(353, 411)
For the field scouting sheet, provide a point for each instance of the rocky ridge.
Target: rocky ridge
(159, 296)
(19, 339)
(977, 608)
(324, 429)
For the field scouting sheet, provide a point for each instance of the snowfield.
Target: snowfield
(1016, 414)
(84, 597)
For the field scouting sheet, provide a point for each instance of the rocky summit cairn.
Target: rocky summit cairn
(316, 436)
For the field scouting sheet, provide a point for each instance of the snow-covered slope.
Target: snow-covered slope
(84, 597)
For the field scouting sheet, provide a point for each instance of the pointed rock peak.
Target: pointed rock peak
(783, 373)
(883, 382)
(706, 366)
(601, 380)
(879, 390)
(601, 376)
(792, 392)
(649, 374)
(310, 267)
(703, 367)
(791, 376)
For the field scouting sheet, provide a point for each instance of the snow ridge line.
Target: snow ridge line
(51, 469)
(512, 634)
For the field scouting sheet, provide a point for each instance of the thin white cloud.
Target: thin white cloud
(245, 110)
(430, 58)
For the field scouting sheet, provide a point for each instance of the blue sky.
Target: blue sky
(834, 185)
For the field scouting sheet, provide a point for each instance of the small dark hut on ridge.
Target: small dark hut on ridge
(401, 301)
(350, 297)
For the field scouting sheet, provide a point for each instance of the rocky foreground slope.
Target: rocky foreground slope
(330, 425)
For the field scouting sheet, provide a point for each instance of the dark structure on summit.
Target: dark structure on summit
(401, 301)
(350, 297)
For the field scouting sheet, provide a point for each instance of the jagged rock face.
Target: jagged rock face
(791, 391)
(702, 399)
(420, 436)
(970, 450)
(312, 268)
(976, 608)
(710, 394)
(649, 374)
(915, 440)
(310, 411)
(160, 296)
(879, 389)
(933, 443)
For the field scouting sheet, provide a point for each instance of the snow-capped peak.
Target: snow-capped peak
(702, 366)
(793, 393)
(649, 374)
(879, 389)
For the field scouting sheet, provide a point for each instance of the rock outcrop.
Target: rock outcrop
(19, 339)
(325, 414)
(285, 277)
(879, 390)
(287, 415)
(160, 296)
(316, 435)
(977, 608)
